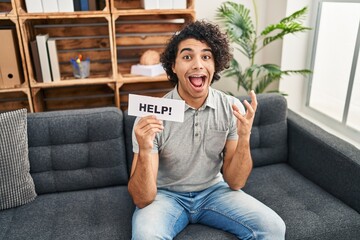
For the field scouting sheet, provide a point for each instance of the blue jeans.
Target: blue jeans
(218, 207)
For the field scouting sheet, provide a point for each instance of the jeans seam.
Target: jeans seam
(233, 219)
(177, 219)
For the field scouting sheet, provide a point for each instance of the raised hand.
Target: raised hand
(245, 122)
(145, 131)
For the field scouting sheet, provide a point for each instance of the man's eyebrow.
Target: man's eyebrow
(207, 50)
(186, 49)
(191, 50)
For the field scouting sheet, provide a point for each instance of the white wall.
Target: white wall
(296, 53)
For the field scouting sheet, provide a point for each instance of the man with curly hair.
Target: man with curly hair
(193, 172)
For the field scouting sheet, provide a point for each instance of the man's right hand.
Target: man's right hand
(145, 131)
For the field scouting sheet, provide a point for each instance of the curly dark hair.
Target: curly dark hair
(204, 32)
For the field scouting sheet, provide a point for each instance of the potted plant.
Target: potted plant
(243, 33)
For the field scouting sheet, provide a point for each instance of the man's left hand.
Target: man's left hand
(245, 122)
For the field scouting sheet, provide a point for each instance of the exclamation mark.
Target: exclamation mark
(169, 110)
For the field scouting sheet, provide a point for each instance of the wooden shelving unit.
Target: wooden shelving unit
(113, 37)
(18, 96)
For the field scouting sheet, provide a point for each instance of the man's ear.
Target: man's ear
(173, 68)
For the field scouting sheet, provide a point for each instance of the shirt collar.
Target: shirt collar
(209, 102)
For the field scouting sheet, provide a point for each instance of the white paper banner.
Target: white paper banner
(162, 108)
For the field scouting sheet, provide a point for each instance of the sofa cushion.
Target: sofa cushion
(201, 232)
(16, 185)
(103, 213)
(309, 212)
(268, 140)
(77, 149)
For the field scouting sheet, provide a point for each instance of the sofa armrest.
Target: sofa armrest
(325, 159)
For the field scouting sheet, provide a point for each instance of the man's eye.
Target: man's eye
(206, 57)
(187, 57)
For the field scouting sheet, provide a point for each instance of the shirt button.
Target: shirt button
(196, 134)
(196, 124)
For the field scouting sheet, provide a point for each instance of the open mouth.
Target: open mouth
(197, 81)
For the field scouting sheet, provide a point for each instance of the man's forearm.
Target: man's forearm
(142, 183)
(240, 166)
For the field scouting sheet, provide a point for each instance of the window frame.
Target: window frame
(342, 126)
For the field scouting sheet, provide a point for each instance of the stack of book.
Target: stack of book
(39, 6)
(45, 59)
(163, 4)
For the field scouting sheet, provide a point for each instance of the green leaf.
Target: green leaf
(284, 30)
(296, 15)
(289, 25)
(303, 72)
(238, 25)
(265, 82)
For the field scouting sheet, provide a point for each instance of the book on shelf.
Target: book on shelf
(92, 5)
(41, 40)
(84, 5)
(34, 6)
(150, 4)
(10, 74)
(100, 5)
(54, 61)
(50, 6)
(36, 61)
(65, 5)
(77, 5)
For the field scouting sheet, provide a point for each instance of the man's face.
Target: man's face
(194, 67)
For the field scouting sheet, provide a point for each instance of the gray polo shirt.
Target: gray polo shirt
(191, 152)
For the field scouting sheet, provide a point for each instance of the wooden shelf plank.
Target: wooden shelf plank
(10, 90)
(93, 14)
(139, 12)
(72, 82)
(128, 78)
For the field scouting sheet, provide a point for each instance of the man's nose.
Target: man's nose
(198, 63)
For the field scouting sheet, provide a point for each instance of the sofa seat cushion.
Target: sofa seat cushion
(103, 213)
(201, 232)
(77, 149)
(308, 211)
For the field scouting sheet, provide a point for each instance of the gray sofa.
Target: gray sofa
(80, 161)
